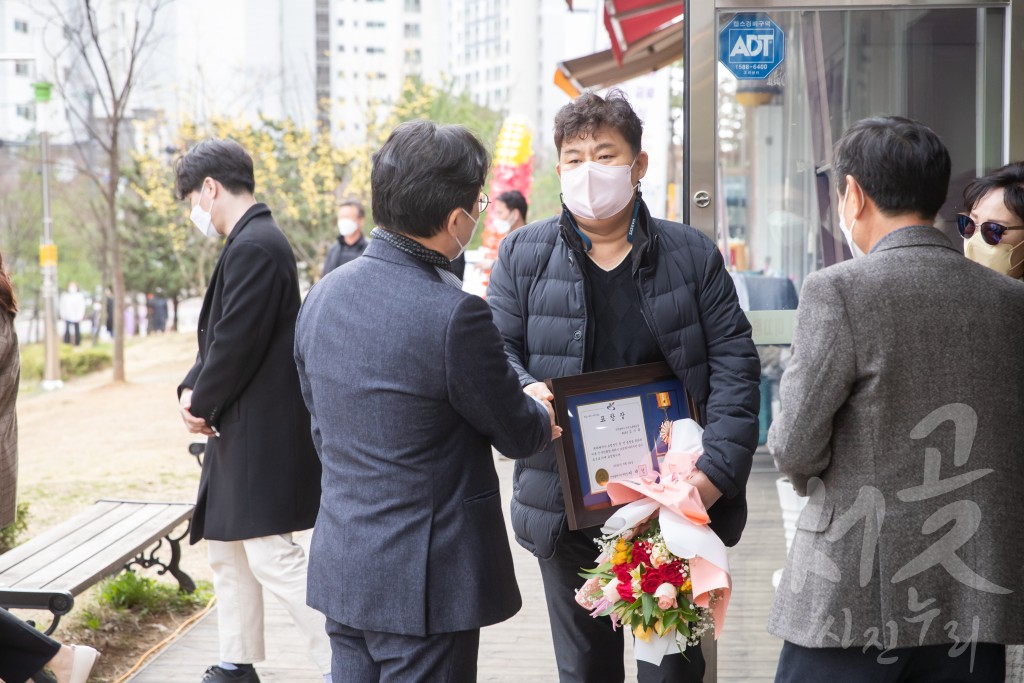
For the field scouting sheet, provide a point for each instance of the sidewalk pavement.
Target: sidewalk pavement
(520, 649)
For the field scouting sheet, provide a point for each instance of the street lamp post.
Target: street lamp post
(47, 249)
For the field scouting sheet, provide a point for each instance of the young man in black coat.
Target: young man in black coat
(605, 285)
(261, 474)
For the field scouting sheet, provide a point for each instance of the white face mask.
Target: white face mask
(462, 247)
(347, 226)
(848, 231)
(203, 219)
(595, 191)
(998, 257)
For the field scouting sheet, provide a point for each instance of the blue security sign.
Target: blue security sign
(751, 46)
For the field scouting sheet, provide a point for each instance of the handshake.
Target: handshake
(540, 391)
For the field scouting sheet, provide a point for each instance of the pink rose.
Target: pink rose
(611, 590)
(666, 595)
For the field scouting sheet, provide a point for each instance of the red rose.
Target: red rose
(651, 579)
(672, 573)
(625, 589)
(642, 552)
(622, 573)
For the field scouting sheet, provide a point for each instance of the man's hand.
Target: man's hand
(195, 425)
(540, 391)
(709, 493)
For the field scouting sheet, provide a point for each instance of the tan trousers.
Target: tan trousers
(241, 570)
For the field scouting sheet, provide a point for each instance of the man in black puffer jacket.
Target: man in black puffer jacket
(602, 286)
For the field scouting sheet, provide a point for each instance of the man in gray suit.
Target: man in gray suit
(410, 557)
(901, 418)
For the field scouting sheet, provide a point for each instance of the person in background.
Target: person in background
(901, 414)
(261, 476)
(993, 230)
(24, 651)
(72, 312)
(993, 225)
(509, 211)
(351, 242)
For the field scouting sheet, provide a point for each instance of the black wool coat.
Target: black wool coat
(261, 476)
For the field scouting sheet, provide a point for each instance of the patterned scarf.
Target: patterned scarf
(413, 248)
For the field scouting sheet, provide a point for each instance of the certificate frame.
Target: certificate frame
(578, 400)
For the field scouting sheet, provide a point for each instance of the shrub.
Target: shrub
(132, 592)
(75, 361)
(10, 534)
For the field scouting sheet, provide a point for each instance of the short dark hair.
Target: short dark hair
(360, 209)
(513, 199)
(901, 164)
(1009, 179)
(225, 161)
(424, 171)
(588, 112)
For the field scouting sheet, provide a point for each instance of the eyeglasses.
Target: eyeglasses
(483, 202)
(991, 231)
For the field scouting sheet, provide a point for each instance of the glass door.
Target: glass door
(761, 127)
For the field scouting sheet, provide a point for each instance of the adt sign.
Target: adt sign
(751, 46)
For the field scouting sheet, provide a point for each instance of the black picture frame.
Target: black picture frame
(579, 395)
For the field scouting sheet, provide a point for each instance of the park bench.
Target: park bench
(47, 572)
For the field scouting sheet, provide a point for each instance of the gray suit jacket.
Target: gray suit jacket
(902, 416)
(408, 385)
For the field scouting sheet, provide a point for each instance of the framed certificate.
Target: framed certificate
(613, 425)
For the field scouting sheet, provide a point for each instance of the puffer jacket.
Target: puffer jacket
(537, 294)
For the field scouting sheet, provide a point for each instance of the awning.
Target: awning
(631, 21)
(602, 69)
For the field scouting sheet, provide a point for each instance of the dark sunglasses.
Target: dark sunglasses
(991, 232)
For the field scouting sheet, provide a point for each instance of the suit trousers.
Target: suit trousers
(984, 663)
(373, 657)
(241, 570)
(587, 649)
(24, 651)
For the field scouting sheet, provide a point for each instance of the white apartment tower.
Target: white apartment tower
(375, 45)
(20, 31)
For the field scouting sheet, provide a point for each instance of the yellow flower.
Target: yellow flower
(686, 586)
(620, 558)
(643, 634)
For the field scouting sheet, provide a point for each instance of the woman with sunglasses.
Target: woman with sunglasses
(993, 232)
(993, 228)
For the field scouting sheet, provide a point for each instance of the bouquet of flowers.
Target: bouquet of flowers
(643, 586)
(662, 572)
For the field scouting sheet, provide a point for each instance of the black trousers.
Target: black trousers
(587, 650)
(928, 664)
(24, 651)
(68, 337)
(372, 657)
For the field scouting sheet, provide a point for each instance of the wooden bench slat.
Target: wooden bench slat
(53, 536)
(130, 528)
(42, 556)
(110, 559)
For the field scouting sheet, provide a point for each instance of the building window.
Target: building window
(375, 24)
(26, 111)
(341, 48)
(412, 5)
(371, 50)
(21, 68)
(341, 22)
(413, 56)
(412, 30)
(21, 26)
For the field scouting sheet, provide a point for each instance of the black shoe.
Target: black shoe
(215, 674)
